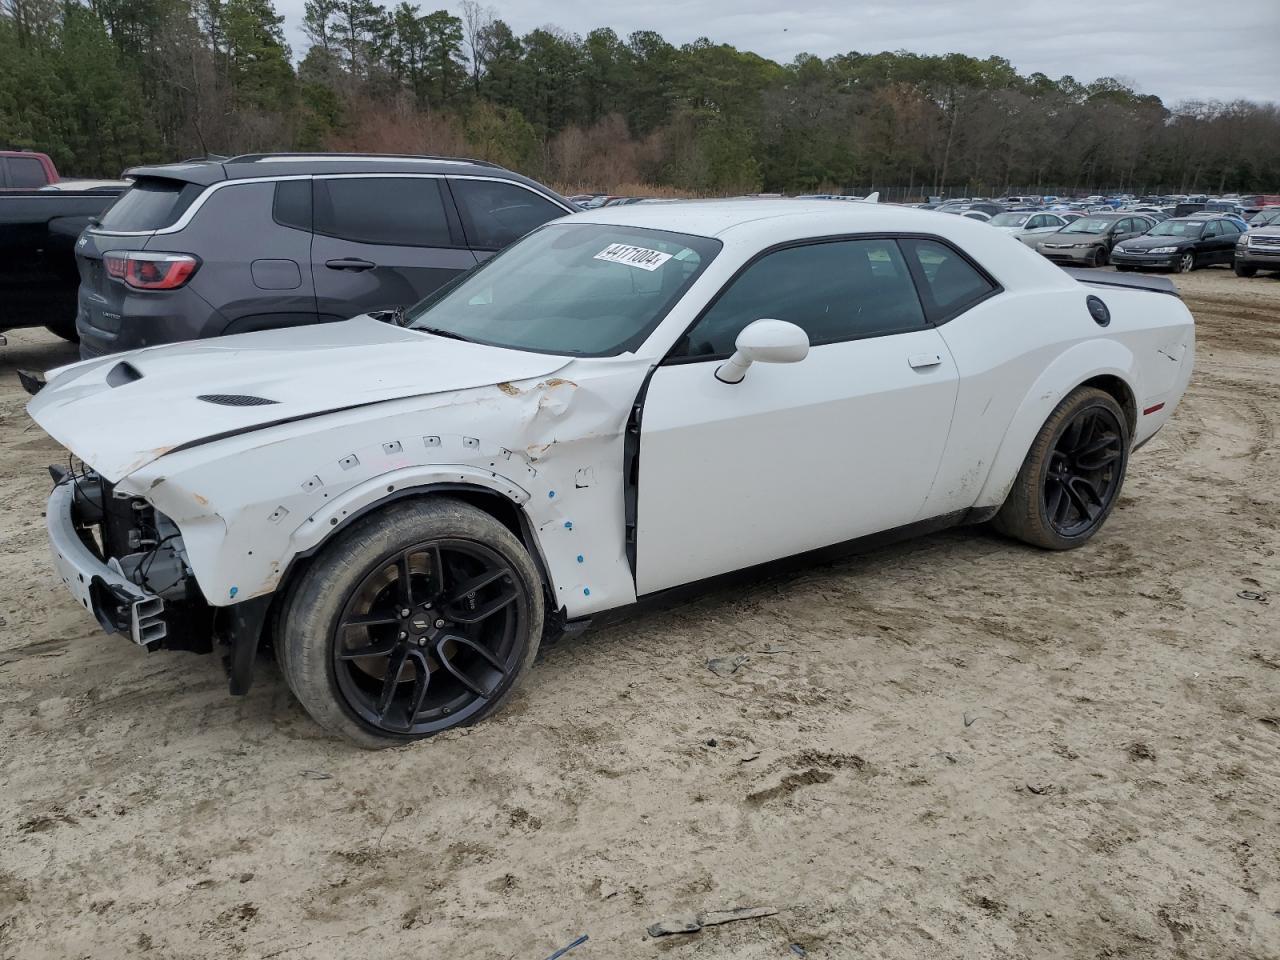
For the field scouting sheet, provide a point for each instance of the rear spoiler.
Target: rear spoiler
(201, 172)
(1125, 281)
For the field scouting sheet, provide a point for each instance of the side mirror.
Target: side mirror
(765, 341)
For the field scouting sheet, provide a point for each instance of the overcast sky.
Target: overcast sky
(1175, 49)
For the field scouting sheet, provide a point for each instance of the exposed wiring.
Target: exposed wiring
(144, 568)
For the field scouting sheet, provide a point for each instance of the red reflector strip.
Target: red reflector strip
(1150, 410)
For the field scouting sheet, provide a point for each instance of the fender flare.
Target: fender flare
(386, 487)
(1084, 361)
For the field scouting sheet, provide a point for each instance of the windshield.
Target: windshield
(1010, 219)
(586, 289)
(1177, 228)
(1089, 225)
(1265, 217)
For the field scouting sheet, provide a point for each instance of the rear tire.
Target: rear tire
(1072, 475)
(449, 604)
(66, 329)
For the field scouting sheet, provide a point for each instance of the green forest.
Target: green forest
(104, 84)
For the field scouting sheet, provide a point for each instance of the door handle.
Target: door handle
(922, 361)
(350, 263)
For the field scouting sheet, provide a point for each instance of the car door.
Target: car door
(1229, 234)
(1208, 244)
(381, 242)
(796, 456)
(496, 213)
(1121, 230)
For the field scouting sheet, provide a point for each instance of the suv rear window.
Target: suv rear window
(151, 204)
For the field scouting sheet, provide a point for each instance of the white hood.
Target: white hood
(122, 412)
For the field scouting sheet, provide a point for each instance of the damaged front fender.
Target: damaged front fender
(248, 505)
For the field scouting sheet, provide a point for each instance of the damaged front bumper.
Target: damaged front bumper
(101, 587)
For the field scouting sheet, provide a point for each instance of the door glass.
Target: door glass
(398, 211)
(952, 284)
(496, 214)
(844, 290)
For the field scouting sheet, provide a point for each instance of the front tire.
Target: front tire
(1245, 270)
(1186, 263)
(419, 619)
(1072, 475)
(1099, 258)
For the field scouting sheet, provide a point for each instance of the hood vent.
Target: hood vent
(235, 399)
(122, 373)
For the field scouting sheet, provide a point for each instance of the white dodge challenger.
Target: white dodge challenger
(627, 401)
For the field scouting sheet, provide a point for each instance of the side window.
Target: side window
(292, 204)
(841, 290)
(399, 211)
(1230, 228)
(1122, 226)
(950, 283)
(495, 214)
(1212, 230)
(26, 173)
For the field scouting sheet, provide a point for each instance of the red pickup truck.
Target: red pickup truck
(24, 170)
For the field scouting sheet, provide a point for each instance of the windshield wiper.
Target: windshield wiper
(438, 332)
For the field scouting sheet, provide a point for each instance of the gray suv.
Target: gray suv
(214, 247)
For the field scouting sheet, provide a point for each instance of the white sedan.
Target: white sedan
(628, 401)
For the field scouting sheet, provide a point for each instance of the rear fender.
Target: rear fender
(1083, 361)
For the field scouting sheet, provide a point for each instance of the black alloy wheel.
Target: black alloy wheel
(1084, 472)
(429, 636)
(1071, 477)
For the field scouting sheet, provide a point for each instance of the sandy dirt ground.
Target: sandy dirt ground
(956, 747)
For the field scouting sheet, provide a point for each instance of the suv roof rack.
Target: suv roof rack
(321, 157)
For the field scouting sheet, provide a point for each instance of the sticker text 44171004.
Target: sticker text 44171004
(641, 257)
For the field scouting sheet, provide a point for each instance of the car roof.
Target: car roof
(757, 224)
(206, 171)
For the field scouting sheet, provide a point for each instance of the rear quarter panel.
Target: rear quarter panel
(1019, 355)
(231, 231)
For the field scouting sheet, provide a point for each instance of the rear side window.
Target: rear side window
(397, 211)
(495, 214)
(150, 204)
(292, 204)
(950, 284)
(26, 173)
(840, 290)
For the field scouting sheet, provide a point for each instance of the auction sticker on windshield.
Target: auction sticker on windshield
(641, 257)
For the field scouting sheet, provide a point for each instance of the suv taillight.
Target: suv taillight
(150, 271)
